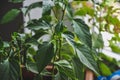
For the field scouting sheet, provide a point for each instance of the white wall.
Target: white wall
(34, 13)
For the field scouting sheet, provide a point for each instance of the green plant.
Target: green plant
(69, 47)
(102, 17)
(78, 40)
(11, 57)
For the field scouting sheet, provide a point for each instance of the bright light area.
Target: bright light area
(107, 50)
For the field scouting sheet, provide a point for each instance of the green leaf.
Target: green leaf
(104, 69)
(62, 1)
(47, 18)
(81, 12)
(65, 68)
(6, 44)
(84, 53)
(37, 25)
(66, 51)
(69, 36)
(59, 27)
(32, 42)
(46, 8)
(39, 34)
(31, 51)
(85, 56)
(78, 68)
(115, 48)
(9, 70)
(31, 64)
(16, 1)
(97, 40)
(1, 44)
(82, 32)
(107, 58)
(44, 55)
(113, 20)
(85, 10)
(69, 11)
(109, 61)
(9, 16)
(109, 2)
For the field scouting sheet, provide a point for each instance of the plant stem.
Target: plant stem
(59, 51)
(20, 66)
(58, 40)
(54, 13)
(53, 70)
(63, 13)
(29, 17)
(41, 77)
(19, 48)
(54, 58)
(100, 24)
(21, 73)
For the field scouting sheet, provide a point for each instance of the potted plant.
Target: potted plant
(68, 47)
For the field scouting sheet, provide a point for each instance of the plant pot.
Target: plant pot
(27, 75)
(52, 73)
